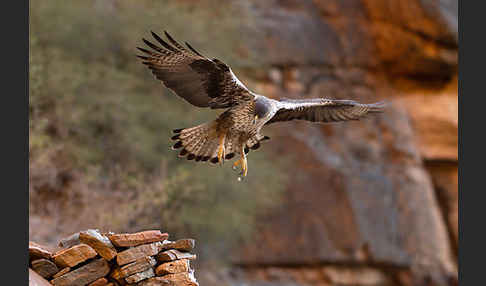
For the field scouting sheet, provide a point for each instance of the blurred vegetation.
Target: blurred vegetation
(100, 127)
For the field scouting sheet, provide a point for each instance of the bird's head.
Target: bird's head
(262, 109)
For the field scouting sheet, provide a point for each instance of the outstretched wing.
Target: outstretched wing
(197, 79)
(323, 110)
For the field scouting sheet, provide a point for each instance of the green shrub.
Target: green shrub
(99, 119)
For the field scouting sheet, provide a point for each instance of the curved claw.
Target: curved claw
(235, 164)
(244, 165)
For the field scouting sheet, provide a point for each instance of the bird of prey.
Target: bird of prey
(205, 82)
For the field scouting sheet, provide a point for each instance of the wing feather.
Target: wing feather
(193, 50)
(164, 43)
(197, 79)
(323, 110)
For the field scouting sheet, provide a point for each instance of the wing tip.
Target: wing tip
(163, 43)
(378, 106)
(142, 57)
(193, 50)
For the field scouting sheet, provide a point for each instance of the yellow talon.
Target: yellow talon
(244, 164)
(221, 149)
(244, 167)
(236, 163)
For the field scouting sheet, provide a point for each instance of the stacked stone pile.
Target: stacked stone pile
(93, 258)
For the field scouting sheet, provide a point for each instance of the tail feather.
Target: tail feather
(199, 147)
(207, 150)
(194, 141)
(199, 143)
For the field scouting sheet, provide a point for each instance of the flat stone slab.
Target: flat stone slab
(172, 254)
(181, 279)
(140, 276)
(99, 282)
(139, 238)
(100, 243)
(69, 241)
(36, 280)
(37, 251)
(62, 272)
(155, 281)
(73, 256)
(173, 267)
(44, 267)
(138, 265)
(186, 244)
(132, 254)
(116, 275)
(84, 275)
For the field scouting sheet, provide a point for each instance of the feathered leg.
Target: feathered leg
(221, 149)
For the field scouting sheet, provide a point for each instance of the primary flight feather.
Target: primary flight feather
(211, 83)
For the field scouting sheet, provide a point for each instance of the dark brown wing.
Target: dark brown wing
(197, 79)
(323, 110)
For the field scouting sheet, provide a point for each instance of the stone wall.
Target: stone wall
(92, 258)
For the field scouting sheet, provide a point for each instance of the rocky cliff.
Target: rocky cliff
(371, 202)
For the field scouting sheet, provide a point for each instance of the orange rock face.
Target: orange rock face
(364, 191)
(435, 121)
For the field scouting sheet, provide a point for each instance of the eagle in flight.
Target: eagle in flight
(205, 82)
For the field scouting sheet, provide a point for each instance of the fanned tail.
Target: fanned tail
(198, 143)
